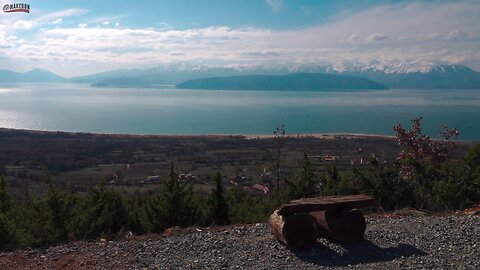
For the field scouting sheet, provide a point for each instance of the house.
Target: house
(330, 158)
(186, 177)
(262, 188)
(268, 171)
(236, 179)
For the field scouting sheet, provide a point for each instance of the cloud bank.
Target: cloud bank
(388, 34)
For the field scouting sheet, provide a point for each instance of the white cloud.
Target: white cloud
(375, 37)
(39, 21)
(60, 14)
(117, 24)
(274, 4)
(57, 21)
(436, 31)
(22, 24)
(355, 38)
(176, 53)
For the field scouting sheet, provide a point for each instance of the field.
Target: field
(77, 161)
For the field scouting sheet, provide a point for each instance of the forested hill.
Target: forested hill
(297, 81)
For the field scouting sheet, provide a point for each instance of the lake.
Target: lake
(79, 107)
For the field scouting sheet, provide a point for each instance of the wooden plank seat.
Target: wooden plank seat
(298, 223)
(326, 203)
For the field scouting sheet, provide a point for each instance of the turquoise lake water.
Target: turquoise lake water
(78, 107)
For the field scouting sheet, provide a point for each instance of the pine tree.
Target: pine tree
(105, 214)
(8, 239)
(5, 201)
(306, 184)
(219, 206)
(138, 218)
(177, 200)
(60, 206)
(330, 181)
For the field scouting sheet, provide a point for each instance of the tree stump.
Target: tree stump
(297, 231)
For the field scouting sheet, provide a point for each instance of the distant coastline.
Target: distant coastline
(327, 136)
(322, 136)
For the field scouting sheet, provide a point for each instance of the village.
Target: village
(260, 185)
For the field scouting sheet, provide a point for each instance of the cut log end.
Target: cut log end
(346, 226)
(296, 231)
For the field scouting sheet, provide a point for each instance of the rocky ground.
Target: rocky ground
(392, 242)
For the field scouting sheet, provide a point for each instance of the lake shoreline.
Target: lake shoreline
(328, 136)
(320, 136)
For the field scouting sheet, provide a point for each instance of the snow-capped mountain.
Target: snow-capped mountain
(442, 76)
(395, 75)
(415, 74)
(388, 67)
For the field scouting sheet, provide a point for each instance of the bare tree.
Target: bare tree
(279, 142)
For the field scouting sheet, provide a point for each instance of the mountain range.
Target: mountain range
(34, 75)
(434, 76)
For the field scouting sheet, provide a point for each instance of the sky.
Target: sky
(73, 38)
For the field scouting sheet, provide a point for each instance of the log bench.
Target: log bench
(298, 223)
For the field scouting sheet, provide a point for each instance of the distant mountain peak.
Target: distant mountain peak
(34, 75)
(39, 71)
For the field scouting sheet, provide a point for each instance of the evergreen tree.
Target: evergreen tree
(202, 210)
(104, 214)
(60, 206)
(472, 158)
(306, 185)
(8, 239)
(156, 212)
(138, 218)
(385, 184)
(5, 201)
(177, 200)
(219, 206)
(330, 181)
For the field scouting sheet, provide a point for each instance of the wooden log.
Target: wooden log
(326, 203)
(346, 226)
(296, 231)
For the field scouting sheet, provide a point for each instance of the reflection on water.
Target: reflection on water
(76, 107)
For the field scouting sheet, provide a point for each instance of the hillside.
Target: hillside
(298, 81)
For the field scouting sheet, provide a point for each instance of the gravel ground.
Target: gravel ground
(437, 242)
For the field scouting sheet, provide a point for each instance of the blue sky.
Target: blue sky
(184, 14)
(80, 37)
